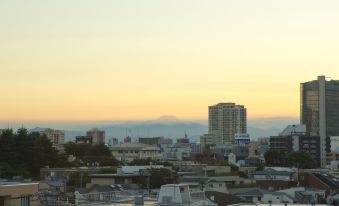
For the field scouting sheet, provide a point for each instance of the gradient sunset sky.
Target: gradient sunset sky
(133, 60)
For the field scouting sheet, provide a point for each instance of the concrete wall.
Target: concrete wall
(13, 193)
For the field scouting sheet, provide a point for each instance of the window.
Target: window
(2, 201)
(220, 185)
(25, 201)
(211, 185)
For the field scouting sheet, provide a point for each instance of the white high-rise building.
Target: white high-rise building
(225, 120)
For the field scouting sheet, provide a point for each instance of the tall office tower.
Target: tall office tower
(319, 110)
(225, 120)
(97, 136)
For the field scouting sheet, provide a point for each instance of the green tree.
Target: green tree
(23, 154)
(277, 158)
(299, 159)
(139, 162)
(100, 154)
(90, 154)
(77, 150)
(160, 177)
(234, 168)
(260, 167)
(111, 170)
(302, 160)
(78, 180)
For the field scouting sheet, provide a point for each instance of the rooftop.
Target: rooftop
(113, 175)
(5, 182)
(293, 129)
(133, 146)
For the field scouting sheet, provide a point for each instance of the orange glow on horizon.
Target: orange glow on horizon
(138, 60)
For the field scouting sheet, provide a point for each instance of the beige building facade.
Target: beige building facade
(128, 152)
(225, 120)
(18, 194)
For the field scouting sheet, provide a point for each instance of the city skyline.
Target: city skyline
(127, 60)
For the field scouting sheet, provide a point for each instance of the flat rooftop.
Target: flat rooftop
(4, 182)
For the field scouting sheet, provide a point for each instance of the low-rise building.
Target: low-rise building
(295, 138)
(334, 144)
(216, 170)
(253, 149)
(222, 151)
(253, 161)
(217, 186)
(207, 140)
(64, 173)
(155, 141)
(128, 152)
(112, 179)
(257, 195)
(177, 152)
(242, 139)
(275, 178)
(83, 140)
(232, 159)
(183, 140)
(97, 136)
(136, 169)
(320, 180)
(126, 175)
(293, 195)
(195, 148)
(113, 141)
(18, 193)
(159, 142)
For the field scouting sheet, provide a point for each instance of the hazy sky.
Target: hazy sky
(141, 59)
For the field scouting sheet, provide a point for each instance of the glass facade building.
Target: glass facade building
(319, 110)
(332, 108)
(310, 107)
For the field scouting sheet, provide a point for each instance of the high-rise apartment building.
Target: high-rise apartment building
(225, 120)
(57, 137)
(319, 110)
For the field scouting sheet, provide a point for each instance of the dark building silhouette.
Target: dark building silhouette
(319, 111)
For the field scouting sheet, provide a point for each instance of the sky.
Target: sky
(92, 60)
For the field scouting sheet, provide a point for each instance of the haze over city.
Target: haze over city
(169, 102)
(81, 60)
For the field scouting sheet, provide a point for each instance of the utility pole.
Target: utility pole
(149, 183)
(81, 176)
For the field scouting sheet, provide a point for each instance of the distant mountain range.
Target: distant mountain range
(167, 126)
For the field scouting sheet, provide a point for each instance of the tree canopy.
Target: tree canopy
(23, 153)
(88, 154)
(156, 177)
(299, 159)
